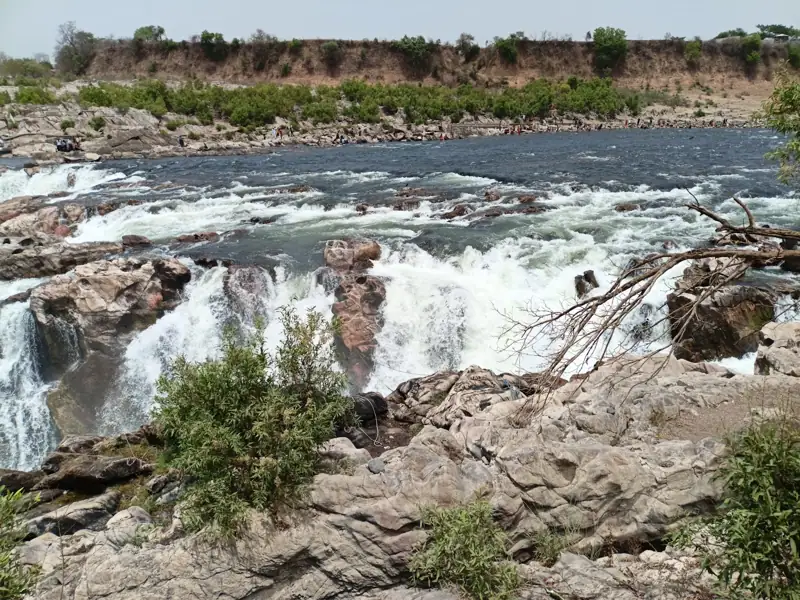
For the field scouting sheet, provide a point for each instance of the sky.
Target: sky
(31, 26)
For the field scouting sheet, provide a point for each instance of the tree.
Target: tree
(739, 32)
(246, 428)
(467, 48)
(74, 50)
(149, 33)
(610, 48)
(782, 111)
(692, 52)
(773, 30)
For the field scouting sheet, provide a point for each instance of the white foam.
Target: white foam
(50, 180)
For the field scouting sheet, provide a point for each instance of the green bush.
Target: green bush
(5, 98)
(286, 70)
(610, 48)
(508, 48)
(25, 67)
(15, 580)
(247, 428)
(194, 136)
(97, 123)
(331, 54)
(752, 59)
(417, 53)
(739, 32)
(466, 549)
(295, 46)
(751, 49)
(757, 529)
(149, 33)
(467, 48)
(213, 45)
(692, 52)
(174, 124)
(34, 95)
(794, 55)
(699, 113)
(67, 124)
(152, 68)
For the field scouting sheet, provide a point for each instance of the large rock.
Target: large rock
(87, 317)
(358, 302)
(92, 514)
(779, 349)
(344, 256)
(14, 481)
(51, 219)
(724, 324)
(42, 255)
(89, 473)
(475, 391)
(21, 205)
(248, 289)
(413, 400)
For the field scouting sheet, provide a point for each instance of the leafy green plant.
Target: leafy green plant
(751, 545)
(15, 580)
(751, 50)
(97, 123)
(417, 53)
(174, 124)
(331, 54)
(213, 45)
(75, 49)
(67, 124)
(467, 48)
(149, 33)
(152, 68)
(739, 32)
(793, 53)
(692, 52)
(296, 46)
(34, 95)
(699, 113)
(466, 549)
(194, 136)
(5, 98)
(610, 48)
(782, 111)
(286, 70)
(508, 48)
(246, 428)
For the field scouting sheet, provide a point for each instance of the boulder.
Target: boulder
(491, 195)
(711, 271)
(474, 391)
(91, 514)
(127, 525)
(204, 236)
(362, 209)
(779, 349)
(407, 205)
(725, 324)
(358, 301)
(89, 473)
(53, 219)
(458, 211)
(344, 256)
(370, 407)
(338, 450)
(15, 481)
(135, 241)
(527, 199)
(20, 205)
(627, 207)
(585, 283)
(248, 289)
(413, 400)
(43, 255)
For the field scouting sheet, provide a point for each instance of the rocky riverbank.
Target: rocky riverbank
(138, 134)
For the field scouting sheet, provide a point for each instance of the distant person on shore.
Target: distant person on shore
(181, 143)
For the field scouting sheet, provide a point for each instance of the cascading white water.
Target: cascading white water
(54, 179)
(26, 433)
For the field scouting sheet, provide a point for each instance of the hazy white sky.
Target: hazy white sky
(29, 26)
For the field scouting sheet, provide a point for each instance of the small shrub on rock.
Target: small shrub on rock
(692, 53)
(67, 124)
(468, 550)
(97, 123)
(34, 95)
(752, 543)
(15, 580)
(331, 54)
(5, 98)
(246, 428)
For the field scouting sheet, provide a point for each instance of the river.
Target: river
(451, 285)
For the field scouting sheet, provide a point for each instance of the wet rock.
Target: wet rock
(370, 406)
(21, 205)
(294, 189)
(14, 481)
(43, 255)
(205, 236)
(358, 301)
(725, 324)
(412, 400)
(91, 514)
(409, 192)
(247, 289)
(135, 241)
(90, 474)
(14, 298)
(710, 272)
(458, 211)
(263, 220)
(779, 350)
(345, 256)
(532, 210)
(362, 209)
(406, 205)
(627, 207)
(491, 195)
(585, 283)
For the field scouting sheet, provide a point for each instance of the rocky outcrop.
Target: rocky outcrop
(585, 283)
(248, 289)
(86, 515)
(88, 316)
(724, 324)
(21, 205)
(359, 297)
(42, 255)
(414, 399)
(55, 219)
(779, 349)
(459, 210)
(89, 473)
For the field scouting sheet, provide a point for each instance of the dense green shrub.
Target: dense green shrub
(15, 580)
(751, 50)
(467, 48)
(296, 46)
(771, 30)
(508, 48)
(794, 55)
(265, 49)
(331, 54)
(25, 67)
(286, 70)
(468, 550)
(149, 33)
(97, 123)
(67, 124)
(752, 543)
(610, 48)
(5, 98)
(75, 49)
(782, 110)
(417, 53)
(692, 52)
(174, 124)
(213, 45)
(739, 32)
(247, 427)
(34, 95)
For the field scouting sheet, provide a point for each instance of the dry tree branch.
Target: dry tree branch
(584, 331)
